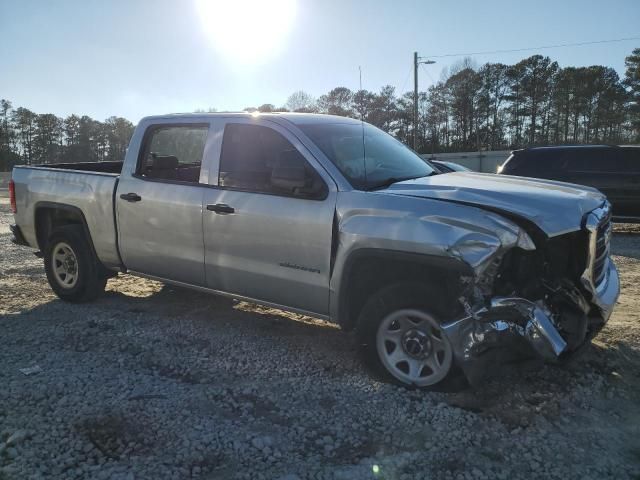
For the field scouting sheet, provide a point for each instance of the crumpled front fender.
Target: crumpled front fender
(477, 246)
(390, 223)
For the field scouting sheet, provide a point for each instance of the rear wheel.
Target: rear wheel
(75, 275)
(402, 338)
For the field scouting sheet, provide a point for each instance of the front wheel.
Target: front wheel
(74, 273)
(402, 340)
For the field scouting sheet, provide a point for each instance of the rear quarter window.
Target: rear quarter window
(514, 162)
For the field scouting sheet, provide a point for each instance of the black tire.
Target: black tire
(385, 303)
(88, 280)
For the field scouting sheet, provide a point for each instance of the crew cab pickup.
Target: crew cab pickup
(334, 218)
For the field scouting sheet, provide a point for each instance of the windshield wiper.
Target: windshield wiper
(390, 181)
(386, 183)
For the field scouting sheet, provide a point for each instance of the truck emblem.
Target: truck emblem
(299, 267)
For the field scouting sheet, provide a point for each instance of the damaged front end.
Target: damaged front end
(534, 297)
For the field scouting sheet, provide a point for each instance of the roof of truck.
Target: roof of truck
(296, 118)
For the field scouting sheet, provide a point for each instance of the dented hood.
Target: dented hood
(556, 207)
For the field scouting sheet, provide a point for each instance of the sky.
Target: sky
(134, 58)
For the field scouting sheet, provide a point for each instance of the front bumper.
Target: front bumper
(606, 296)
(18, 237)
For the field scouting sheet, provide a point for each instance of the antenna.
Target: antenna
(364, 148)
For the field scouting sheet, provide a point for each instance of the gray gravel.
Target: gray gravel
(155, 382)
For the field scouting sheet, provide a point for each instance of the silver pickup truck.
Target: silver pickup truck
(436, 273)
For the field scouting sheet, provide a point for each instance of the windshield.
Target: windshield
(375, 161)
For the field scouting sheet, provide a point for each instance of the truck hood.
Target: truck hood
(555, 207)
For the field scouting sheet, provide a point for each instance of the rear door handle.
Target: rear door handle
(221, 208)
(131, 197)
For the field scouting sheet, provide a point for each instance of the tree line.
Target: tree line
(498, 106)
(30, 138)
(491, 107)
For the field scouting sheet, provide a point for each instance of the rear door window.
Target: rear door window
(173, 153)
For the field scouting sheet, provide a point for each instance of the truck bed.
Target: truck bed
(100, 167)
(86, 188)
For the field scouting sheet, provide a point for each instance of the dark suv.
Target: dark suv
(613, 170)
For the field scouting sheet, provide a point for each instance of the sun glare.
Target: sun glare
(247, 31)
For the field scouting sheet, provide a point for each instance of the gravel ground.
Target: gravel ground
(155, 382)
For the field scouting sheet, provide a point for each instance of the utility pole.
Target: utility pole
(416, 61)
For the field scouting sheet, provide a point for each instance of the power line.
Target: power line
(406, 79)
(543, 47)
(426, 70)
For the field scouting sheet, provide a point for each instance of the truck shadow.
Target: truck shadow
(156, 299)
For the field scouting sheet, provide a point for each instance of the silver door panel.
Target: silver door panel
(273, 248)
(276, 249)
(162, 234)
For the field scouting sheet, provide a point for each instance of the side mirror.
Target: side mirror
(289, 172)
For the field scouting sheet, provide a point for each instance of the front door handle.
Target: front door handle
(131, 197)
(221, 208)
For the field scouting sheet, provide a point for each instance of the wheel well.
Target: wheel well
(48, 218)
(369, 273)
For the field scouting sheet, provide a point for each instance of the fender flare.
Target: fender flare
(429, 261)
(45, 205)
